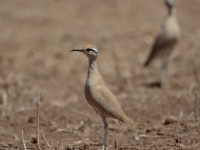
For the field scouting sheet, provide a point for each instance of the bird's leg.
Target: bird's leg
(104, 133)
(165, 73)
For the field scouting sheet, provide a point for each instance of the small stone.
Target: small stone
(169, 120)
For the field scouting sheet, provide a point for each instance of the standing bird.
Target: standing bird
(97, 93)
(165, 41)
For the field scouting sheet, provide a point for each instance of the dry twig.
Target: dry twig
(196, 89)
(5, 145)
(178, 139)
(4, 101)
(46, 141)
(39, 99)
(196, 103)
(195, 73)
(23, 140)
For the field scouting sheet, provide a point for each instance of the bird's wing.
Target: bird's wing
(106, 102)
(160, 43)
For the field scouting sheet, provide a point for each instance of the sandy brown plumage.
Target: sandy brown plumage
(166, 40)
(98, 94)
(101, 98)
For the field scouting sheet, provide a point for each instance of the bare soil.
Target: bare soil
(35, 42)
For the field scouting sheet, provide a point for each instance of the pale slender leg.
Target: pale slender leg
(104, 133)
(165, 73)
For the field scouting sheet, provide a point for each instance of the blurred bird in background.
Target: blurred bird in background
(165, 42)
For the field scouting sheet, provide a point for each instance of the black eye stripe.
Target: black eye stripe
(89, 49)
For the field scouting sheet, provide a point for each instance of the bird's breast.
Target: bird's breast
(88, 93)
(171, 28)
(88, 90)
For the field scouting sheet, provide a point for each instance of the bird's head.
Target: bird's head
(171, 3)
(89, 50)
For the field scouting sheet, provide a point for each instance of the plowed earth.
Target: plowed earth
(35, 42)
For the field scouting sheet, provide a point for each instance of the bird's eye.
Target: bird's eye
(89, 49)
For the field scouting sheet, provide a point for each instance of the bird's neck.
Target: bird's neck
(172, 11)
(93, 70)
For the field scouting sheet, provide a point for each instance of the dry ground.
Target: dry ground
(35, 39)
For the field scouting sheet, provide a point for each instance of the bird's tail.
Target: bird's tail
(148, 61)
(154, 52)
(127, 121)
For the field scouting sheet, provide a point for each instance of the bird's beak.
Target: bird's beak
(76, 50)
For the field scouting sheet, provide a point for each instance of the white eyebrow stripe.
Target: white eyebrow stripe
(95, 49)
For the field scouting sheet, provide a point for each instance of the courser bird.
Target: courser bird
(165, 42)
(98, 94)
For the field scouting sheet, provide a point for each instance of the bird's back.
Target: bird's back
(101, 98)
(166, 39)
